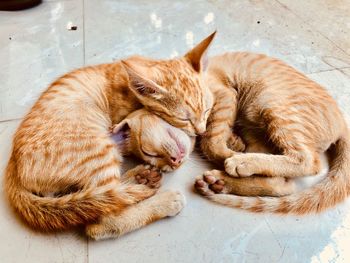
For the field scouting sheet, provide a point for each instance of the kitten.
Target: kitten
(63, 148)
(292, 114)
(155, 141)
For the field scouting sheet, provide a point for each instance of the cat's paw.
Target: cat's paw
(235, 143)
(211, 183)
(100, 231)
(172, 203)
(149, 176)
(145, 175)
(239, 166)
(94, 231)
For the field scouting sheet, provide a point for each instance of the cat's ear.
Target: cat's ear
(198, 57)
(120, 134)
(121, 128)
(140, 84)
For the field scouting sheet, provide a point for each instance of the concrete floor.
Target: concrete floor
(36, 47)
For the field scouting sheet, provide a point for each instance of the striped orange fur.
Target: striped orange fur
(296, 117)
(65, 169)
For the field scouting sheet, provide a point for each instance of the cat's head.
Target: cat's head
(153, 140)
(174, 89)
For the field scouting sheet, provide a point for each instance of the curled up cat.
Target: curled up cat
(262, 99)
(64, 169)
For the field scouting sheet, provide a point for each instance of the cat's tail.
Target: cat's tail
(78, 208)
(327, 193)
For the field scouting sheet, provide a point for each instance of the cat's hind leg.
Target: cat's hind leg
(218, 182)
(296, 155)
(161, 205)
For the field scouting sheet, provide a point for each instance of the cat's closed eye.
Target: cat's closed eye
(153, 155)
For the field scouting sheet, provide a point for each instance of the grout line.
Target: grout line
(87, 250)
(326, 70)
(83, 7)
(84, 61)
(344, 73)
(9, 120)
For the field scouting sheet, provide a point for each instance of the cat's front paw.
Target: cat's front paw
(149, 176)
(235, 143)
(145, 175)
(172, 202)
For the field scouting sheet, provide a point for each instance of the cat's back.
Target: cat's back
(273, 75)
(251, 65)
(78, 88)
(76, 103)
(267, 85)
(67, 124)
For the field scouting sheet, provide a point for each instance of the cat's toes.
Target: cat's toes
(215, 181)
(218, 186)
(235, 143)
(238, 167)
(175, 202)
(95, 231)
(209, 184)
(230, 167)
(150, 176)
(245, 169)
(202, 187)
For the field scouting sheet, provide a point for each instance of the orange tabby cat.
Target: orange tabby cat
(63, 148)
(293, 114)
(153, 140)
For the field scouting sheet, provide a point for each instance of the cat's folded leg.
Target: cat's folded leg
(219, 141)
(218, 182)
(135, 185)
(161, 205)
(291, 165)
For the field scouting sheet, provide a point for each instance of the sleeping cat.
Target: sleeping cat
(294, 115)
(153, 140)
(64, 167)
(134, 135)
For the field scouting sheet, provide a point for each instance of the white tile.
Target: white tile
(331, 18)
(35, 48)
(20, 244)
(338, 84)
(116, 29)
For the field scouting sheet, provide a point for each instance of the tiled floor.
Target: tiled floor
(36, 47)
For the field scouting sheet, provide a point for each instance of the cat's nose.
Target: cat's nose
(176, 160)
